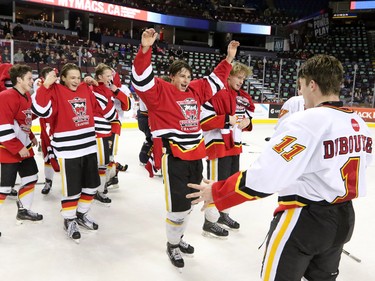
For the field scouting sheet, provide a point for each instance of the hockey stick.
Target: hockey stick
(351, 256)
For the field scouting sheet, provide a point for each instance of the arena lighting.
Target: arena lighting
(136, 14)
(362, 5)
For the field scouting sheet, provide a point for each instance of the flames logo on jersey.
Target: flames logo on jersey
(189, 108)
(28, 121)
(79, 108)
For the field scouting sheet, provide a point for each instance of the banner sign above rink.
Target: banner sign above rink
(142, 15)
(362, 5)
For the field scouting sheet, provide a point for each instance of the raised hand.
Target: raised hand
(232, 50)
(148, 38)
(51, 78)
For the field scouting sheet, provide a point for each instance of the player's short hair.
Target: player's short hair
(66, 68)
(18, 70)
(238, 67)
(177, 65)
(45, 71)
(326, 71)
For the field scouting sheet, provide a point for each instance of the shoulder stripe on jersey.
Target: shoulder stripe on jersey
(215, 83)
(208, 106)
(148, 72)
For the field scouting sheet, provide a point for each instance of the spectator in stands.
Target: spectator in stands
(34, 38)
(51, 58)
(5, 56)
(92, 62)
(63, 40)
(8, 36)
(27, 57)
(6, 28)
(78, 26)
(18, 30)
(19, 57)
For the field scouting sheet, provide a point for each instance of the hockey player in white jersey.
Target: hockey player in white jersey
(316, 161)
(292, 105)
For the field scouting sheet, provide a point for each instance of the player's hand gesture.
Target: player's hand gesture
(50, 79)
(90, 81)
(148, 38)
(232, 50)
(204, 193)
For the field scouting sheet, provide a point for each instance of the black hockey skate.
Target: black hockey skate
(227, 222)
(212, 229)
(174, 254)
(72, 230)
(27, 215)
(85, 221)
(47, 187)
(112, 183)
(102, 199)
(186, 248)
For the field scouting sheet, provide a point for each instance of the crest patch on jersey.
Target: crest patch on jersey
(28, 121)
(79, 108)
(189, 108)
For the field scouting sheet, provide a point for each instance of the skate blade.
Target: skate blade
(86, 230)
(186, 255)
(97, 202)
(113, 186)
(210, 235)
(77, 241)
(21, 222)
(228, 228)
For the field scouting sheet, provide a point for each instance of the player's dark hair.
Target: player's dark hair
(65, 70)
(45, 71)
(177, 65)
(18, 70)
(326, 71)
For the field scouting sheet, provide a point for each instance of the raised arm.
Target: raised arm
(148, 39)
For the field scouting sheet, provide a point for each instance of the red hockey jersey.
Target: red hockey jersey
(220, 138)
(107, 113)
(174, 115)
(73, 118)
(15, 125)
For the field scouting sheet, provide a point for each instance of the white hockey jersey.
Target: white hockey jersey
(292, 105)
(316, 156)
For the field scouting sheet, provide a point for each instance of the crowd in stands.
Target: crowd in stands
(348, 43)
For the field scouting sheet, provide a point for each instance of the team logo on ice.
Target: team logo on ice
(79, 108)
(189, 109)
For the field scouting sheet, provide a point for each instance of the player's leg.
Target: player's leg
(28, 172)
(177, 174)
(227, 166)
(72, 182)
(91, 181)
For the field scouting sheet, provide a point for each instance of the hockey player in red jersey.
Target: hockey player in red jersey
(174, 111)
(16, 142)
(50, 162)
(6, 83)
(72, 105)
(317, 159)
(103, 127)
(123, 102)
(223, 119)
